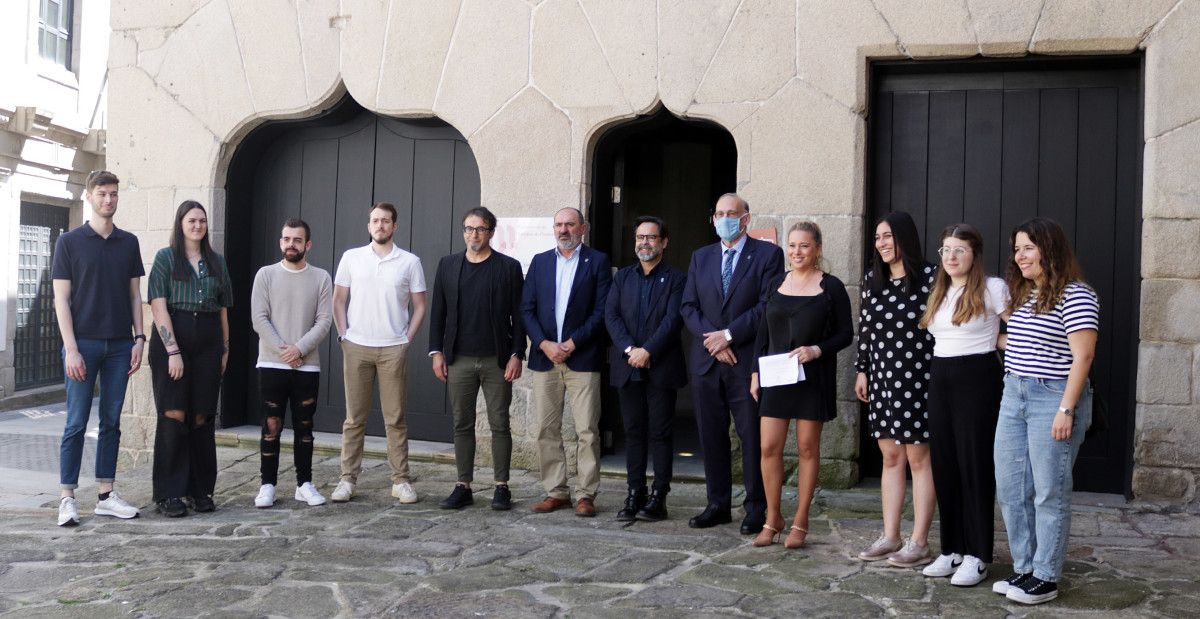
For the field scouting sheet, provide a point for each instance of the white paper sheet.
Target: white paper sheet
(776, 370)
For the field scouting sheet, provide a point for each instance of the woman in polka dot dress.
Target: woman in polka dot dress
(893, 375)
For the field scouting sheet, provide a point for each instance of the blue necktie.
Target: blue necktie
(727, 271)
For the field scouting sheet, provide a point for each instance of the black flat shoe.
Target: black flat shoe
(655, 509)
(458, 499)
(752, 524)
(502, 499)
(172, 508)
(633, 503)
(711, 517)
(203, 504)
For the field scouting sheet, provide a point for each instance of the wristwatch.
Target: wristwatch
(628, 349)
(1069, 412)
(140, 336)
(728, 335)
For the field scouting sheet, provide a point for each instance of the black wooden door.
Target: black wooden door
(37, 348)
(995, 143)
(329, 174)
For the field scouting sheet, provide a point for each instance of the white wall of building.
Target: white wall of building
(52, 132)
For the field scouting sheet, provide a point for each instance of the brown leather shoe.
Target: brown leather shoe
(585, 508)
(550, 504)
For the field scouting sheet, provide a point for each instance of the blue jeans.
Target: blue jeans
(1033, 472)
(107, 361)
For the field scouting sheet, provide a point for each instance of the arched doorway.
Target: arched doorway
(328, 171)
(673, 168)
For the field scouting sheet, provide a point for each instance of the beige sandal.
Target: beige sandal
(774, 534)
(789, 544)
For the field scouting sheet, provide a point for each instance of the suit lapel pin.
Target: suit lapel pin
(662, 279)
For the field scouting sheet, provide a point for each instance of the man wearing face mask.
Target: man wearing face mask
(646, 365)
(562, 305)
(721, 308)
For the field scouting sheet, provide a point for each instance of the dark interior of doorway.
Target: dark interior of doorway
(674, 168)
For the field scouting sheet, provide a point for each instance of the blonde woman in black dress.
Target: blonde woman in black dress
(806, 314)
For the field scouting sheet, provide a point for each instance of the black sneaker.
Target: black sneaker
(203, 504)
(502, 499)
(1013, 580)
(458, 499)
(172, 508)
(1033, 591)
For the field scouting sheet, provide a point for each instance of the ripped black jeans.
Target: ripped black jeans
(278, 389)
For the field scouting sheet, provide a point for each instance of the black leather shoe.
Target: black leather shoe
(502, 498)
(710, 517)
(458, 499)
(172, 508)
(753, 523)
(203, 504)
(656, 507)
(633, 503)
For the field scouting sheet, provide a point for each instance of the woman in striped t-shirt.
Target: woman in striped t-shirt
(1046, 407)
(189, 292)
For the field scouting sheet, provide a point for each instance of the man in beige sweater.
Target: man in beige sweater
(292, 307)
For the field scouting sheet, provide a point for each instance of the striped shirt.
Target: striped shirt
(206, 291)
(1037, 343)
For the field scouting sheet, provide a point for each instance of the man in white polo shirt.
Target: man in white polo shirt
(371, 294)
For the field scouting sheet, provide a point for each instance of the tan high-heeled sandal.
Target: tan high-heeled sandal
(758, 541)
(789, 544)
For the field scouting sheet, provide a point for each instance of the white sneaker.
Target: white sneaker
(308, 493)
(114, 505)
(943, 566)
(404, 491)
(266, 496)
(342, 492)
(970, 573)
(68, 516)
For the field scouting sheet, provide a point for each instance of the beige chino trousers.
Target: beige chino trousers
(362, 366)
(549, 391)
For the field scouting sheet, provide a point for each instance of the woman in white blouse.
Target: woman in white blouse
(965, 385)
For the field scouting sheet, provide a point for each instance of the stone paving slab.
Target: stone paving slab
(375, 557)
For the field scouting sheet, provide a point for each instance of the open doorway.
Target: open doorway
(676, 169)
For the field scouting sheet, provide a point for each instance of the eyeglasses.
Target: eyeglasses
(473, 230)
(957, 252)
(646, 237)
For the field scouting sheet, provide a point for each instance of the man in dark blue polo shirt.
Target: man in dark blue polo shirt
(97, 298)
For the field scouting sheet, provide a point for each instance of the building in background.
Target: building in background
(832, 110)
(53, 116)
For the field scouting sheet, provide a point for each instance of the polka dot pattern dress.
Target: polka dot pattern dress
(895, 353)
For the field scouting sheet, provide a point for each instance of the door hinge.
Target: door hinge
(616, 195)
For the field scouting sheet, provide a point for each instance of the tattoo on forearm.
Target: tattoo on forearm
(167, 338)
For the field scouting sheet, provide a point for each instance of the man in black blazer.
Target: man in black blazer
(477, 340)
(642, 315)
(563, 308)
(721, 307)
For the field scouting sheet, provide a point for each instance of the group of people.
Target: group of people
(939, 399)
(975, 429)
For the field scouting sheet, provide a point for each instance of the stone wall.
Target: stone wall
(787, 78)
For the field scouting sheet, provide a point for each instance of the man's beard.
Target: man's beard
(387, 239)
(297, 256)
(646, 254)
(569, 243)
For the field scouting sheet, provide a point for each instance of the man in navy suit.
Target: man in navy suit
(647, 367)
(562, 305)
(721, 307)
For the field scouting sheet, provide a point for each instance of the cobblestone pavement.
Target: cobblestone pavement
(374, 557)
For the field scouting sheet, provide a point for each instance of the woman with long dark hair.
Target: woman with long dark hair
(189, 292)
(1054, 318)
(965, 382)
(806, 314)
(893, 375)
